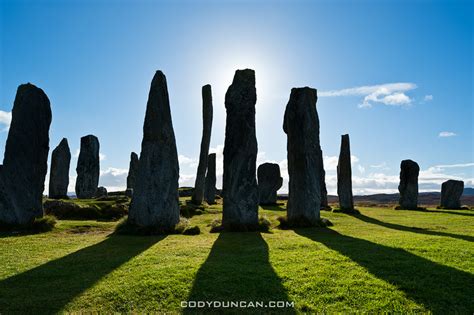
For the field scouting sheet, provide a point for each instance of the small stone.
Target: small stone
(408, 186)
(451, 192)
(88, 168)
(59, 172)
(101, 192)
(344, 176)
(269, 181)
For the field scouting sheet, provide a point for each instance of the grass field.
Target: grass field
(380, 260)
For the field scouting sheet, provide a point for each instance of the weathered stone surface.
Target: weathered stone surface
(240, 191)
(59, 172)
(451, 192)
(101, 192)
(408, 186)
(322, 183)
(132, 170)
(155, 195)
(301, 124)
(198, 193)
(129, 192)
(26, 154)
(269, 181)
(210, 182)
(344, 176)
(88, 168)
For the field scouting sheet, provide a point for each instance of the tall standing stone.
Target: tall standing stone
(26, 156)
(240, 191)
(269, 181)
(155, 201)
(210, 182)
(59, 172)
(301, 124)
(324, 191)
(451, 192)
(408, 187)
(132, 171)
(344, 176)
(88, 168)
(198, 193)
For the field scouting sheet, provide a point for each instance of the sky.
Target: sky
(397, 76)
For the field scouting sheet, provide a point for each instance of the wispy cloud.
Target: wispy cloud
(393, 94)
(5, 120)
(428, 98)
(445, 134)
(102, 157)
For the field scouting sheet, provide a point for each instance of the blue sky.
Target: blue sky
(396, 75)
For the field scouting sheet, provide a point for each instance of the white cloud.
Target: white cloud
(361, 169)
(114, 179)
(102, 157)
(428, 98)
(388, 94)
(444, 134)
(5, 119)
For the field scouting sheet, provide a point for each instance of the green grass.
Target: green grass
(380, 260)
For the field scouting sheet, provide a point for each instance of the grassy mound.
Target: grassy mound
(102, 209)
(39, 225)
(183, 227)
(301, 223)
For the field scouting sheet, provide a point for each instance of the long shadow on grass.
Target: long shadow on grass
(468, 213)
(411, 229)
(280, 206)
(238, 269)
(46, 289)
(439, 288)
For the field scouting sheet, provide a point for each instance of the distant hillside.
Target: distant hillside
(468, 191)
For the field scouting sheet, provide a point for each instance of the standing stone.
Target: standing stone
(344, 176)
(155, 196)
(132, 171)
(88, 168)
(239, 189)
(408, 187)
(269, 181)
(301, 124)
(26, 157)
(198, 193)
(210, 182)
(59, 172)
(101, 192)
(324, 191)
(451, 192)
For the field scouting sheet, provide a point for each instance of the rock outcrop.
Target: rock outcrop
(155, 196)
(451, 192)
(240, 191)
(26, 156)
(269, 181)
(199, 185)
(344, 176)
(88, 168)
(408, 187)
(132, 171)
(59, 171)
(301, 124)
(210, 182)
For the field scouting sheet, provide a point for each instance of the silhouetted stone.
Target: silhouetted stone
(129, 192)
(240, 192)
(101, 192)
(210, 182)
(59, 171)
(155, 195)
(198, 193)
(132, 170)
(26, 155)
(301, 124)
(269, 181)
(344, 176)
(451, 192)
(88, 168)
(324, 192)
(408, 187)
